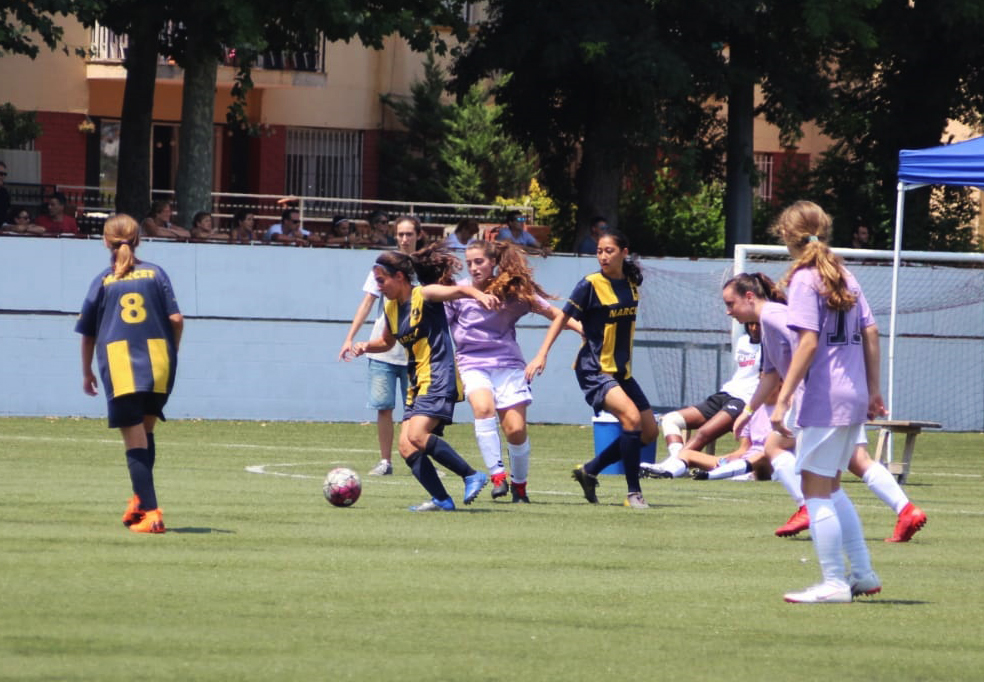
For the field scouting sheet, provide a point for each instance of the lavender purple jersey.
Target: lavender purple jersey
(778, 340)
(486, 339)
(836, 386)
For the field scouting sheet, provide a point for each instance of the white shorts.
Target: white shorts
(508, 386)
(825, 450)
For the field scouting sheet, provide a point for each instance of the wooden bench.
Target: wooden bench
(911, 429)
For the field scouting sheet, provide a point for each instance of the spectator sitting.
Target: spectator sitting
(201, 226)
(21, 222)
(289, 230)
(379, 232)
(589, 245)
(242, 227)
(342, 233)
(464, 232)
(158, 224)
(514, 231)
(56, 222)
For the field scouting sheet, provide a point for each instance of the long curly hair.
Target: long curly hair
(805, 227)
(514, 282)
(433, 264)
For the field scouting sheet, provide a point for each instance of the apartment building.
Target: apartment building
(319, 111)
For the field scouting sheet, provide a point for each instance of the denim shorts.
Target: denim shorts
(383, 378)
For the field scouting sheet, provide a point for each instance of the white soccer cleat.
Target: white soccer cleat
(824, 593)
(647, 470)
(865, 585)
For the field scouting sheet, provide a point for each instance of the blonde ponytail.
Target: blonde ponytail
(122, 235)
(805, 229)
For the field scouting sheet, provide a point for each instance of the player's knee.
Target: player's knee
(673, 424)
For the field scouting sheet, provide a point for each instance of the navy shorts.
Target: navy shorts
(596, 386)
(438, 407)
(130, 409)
(721, 402)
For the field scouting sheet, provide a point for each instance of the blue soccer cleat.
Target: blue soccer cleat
(434, 504)
(474, 485)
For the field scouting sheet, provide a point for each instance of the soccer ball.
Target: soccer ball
(342, 487)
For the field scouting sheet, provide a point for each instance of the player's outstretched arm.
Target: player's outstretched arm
(768, 381)
(377, 345)
(539, 362)
(361, 313)
(440, 293)
(551, 312)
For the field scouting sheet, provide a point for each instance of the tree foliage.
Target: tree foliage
(23, 23)
(17, 128)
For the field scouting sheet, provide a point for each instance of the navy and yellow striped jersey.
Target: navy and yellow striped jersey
(421, 327)
(134, 338)
(607, 311)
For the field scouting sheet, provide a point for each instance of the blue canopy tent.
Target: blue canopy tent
(962, 164)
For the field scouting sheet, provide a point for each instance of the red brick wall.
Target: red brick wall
(62, 148)
(268, 157)
(370, 164)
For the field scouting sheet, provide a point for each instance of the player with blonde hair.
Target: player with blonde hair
(130, 321)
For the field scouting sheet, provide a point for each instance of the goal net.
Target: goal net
(937, 367)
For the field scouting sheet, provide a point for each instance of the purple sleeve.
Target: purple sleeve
(804, 301)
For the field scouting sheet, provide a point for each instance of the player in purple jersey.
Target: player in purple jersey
(605, 303)
(837, 360)
(490, 360)
(130, 321)
(746, 297)
(416, 320)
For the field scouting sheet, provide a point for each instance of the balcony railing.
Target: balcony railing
(111, 47)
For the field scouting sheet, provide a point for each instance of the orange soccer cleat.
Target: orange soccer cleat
(799, 521)
(911, 519)
(153, 522)
(133, 514)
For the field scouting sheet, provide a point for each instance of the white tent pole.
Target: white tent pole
(896, 259)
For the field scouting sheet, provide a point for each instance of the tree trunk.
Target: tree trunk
(193, 186)
(137, 118)
(739, 162)
(598, 182)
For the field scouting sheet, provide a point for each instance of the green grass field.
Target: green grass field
(258, 578)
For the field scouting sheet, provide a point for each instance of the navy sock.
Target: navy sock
(446, 456)
(152, 449)
(424, 471)
(611, 454)
(630, 444)
(141, 477)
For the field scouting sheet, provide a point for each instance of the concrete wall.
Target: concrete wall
(263, 329)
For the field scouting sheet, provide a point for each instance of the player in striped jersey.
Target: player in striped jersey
(605, 303)
(416, 320)
(131, 323)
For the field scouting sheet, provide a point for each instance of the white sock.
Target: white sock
(784, 471)
(729, 469)
(487, 435)
(852, 534)
(675, 466)
(825, 529)
(519, 460)
(884, 485)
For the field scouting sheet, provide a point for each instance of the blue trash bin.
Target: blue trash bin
(606, 431)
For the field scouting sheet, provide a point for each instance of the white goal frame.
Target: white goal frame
(743, 251)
